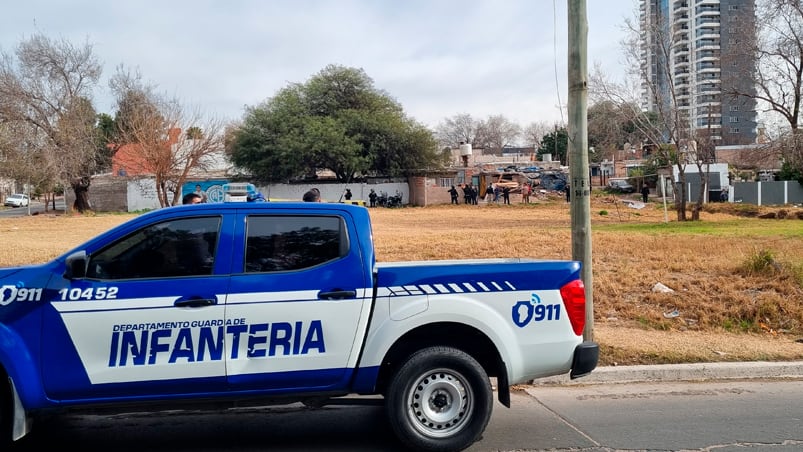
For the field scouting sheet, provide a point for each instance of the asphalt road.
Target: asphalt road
(35, 208)
(724, 415)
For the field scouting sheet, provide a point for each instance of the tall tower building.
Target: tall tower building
(694, 52)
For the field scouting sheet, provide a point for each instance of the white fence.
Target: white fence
(141, 194)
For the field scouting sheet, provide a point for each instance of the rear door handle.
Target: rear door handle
(337, 294)
(194, 303)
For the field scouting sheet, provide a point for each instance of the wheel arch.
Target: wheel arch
(450, 334)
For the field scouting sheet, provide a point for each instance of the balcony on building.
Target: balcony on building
(680, 72)
(707, 22)
(708, 101)
(707, 8)
(707, 44)
(708, 112)
(681, 32)
(681, 6)
(709, 89)
(681, 61)
(707, 33)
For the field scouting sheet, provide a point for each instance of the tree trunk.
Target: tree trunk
(81, 189)
(698, 206)
(695, 211)
(680, 197)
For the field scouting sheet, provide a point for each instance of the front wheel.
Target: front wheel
(439, 400)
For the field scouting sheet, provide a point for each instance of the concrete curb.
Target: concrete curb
(684, 372)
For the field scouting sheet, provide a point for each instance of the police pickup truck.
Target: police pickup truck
(279, 303)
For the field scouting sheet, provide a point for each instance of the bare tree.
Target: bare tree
(48, 87)
(495, 133)
(609, 128)
(25, 159)
(173, 141)
(668, 121)
(534, 132)
(461, 128)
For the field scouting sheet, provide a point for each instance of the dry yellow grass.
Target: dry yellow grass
(725, 313)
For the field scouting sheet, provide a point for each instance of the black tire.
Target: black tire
(6, 411)
(439, 400)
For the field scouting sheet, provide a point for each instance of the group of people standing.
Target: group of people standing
(493, 193)
(470, 194)
(497, 192)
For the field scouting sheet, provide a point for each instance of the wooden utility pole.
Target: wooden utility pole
(580, 178)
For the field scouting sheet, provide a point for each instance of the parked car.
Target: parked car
(620, 186)
(17, 200)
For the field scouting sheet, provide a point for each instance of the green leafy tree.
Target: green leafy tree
(337, 120)
(107, 142)
(555, 143)
(790, 172)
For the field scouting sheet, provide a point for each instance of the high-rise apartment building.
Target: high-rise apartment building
(699, 50)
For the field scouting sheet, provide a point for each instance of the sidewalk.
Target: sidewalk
(684, 372)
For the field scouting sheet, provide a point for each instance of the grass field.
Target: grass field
(736, 280)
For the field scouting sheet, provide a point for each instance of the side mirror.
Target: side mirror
(75, 265)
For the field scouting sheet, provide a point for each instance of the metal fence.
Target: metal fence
(772, 193)
(767, 193)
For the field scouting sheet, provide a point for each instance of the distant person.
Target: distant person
(645, 193)
(489, 193)
(525, 193)
(312, 195)
(453, 193)
(372, 198)
(506, 195)
(199, 191)
(347, 194)
(192, 198)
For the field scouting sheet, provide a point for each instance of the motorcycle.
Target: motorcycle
(395, 201)
(384, 200)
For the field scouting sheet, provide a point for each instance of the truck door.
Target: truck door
(299, 306)
(145, 320)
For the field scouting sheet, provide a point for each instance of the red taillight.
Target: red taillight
(574, 300)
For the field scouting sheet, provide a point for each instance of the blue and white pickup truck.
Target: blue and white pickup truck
(278, 303)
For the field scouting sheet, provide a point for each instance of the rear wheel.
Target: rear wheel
(439, 400)
(6, 410)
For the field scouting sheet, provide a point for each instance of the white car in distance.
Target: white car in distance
(17, 200)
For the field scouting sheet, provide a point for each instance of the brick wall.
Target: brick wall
(105, 195)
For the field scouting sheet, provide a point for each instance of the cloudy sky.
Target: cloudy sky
(437, 58)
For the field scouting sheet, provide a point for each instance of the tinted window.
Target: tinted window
(281, 243)
(183, 247)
